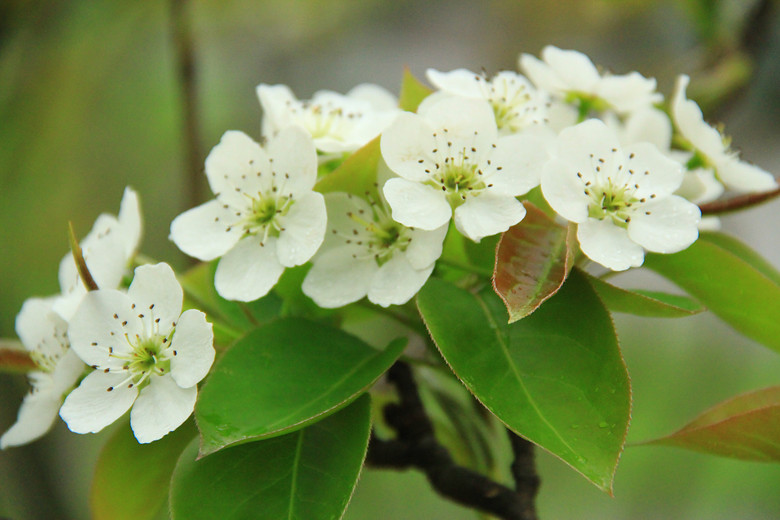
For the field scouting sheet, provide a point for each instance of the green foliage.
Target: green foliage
(731, 280)
(746, 427)
(412, 92)
(282, 377)
(556, 377)
(131, 479)
(308, 474)
(652, 304)
(356, 175)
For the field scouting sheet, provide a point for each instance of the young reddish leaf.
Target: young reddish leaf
(412, 92)
(533, 259)
(745, 427)
(733, 282)
(14, 358)
(644, 303)
(356, 175)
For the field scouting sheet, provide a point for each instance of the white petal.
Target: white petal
(425, 247)
(700, 186)
(628, 92)
(665, 226)
(744, 177)
(542, 75)
(654, 173)
(339, 208)
(464, 119)
(99, 326)
(405, 142)
(249, 270)
(416, 205)
(157, 295)
(397, 282)
(564, 191)
(207, 231)
(275, 100)
(294, 158)
(378, 97)
(488, 214)
(36, 415)
(337, 278)
(40, 328)
(582, 145)
(649, 125)
(303, 229)
(232, 166)
(690, 121)
(461, 82)
(161, 408)
(609, 245)
(91, 407)
(129, 218)
(521, 159)
(193, 343)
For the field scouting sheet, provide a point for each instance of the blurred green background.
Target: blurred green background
(91, 101)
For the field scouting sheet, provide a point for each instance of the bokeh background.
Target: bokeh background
(91, 100)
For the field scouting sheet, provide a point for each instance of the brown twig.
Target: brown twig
(737, 203)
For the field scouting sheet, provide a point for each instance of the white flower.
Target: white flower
(43, 334)
(337, 123)
(711, 149)
(265, 216)
(107, 251)
(515, 102)
(366, 253)
(450, 157)
(570, 75)
(146, 355)
(621, 199)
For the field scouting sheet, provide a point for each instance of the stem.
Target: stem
(524, 472)
(185, 68)
(738, 202)
(416, 446)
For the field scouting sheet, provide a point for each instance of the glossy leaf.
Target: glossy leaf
(533, 259)
(283, 376)
(556, 378)
(728, 283)
(740, 249)
(131, 480)
(412, 92)
(745, 427)
(356, 175)
(644, 303)
(305, 475)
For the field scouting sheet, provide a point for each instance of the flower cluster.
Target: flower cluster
(601, 149)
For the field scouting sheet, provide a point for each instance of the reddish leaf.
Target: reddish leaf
(744, 427)
(533, 259)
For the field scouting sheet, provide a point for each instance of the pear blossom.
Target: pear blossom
(515, 102)
(367, 253)
(338, 123)
(44, 335)
(711, 150)
(572, 76)
(451, 162)
(145, 352)
(621, 198)
(107, 250)
(265, 216)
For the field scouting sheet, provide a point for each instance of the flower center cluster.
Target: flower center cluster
(510, 100)
(325, 120)
(455, 170)
(379, 235)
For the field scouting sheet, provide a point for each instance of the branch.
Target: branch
(738, 202)
(416, 446)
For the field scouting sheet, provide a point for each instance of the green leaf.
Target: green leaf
(556, 378)
(412, 92)
(741, 250)
(305, 475)
(533, 259)
(283, 376)
(745, 427)
(644, 303)
(729, 281)
(356, 175)
(131, 480)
